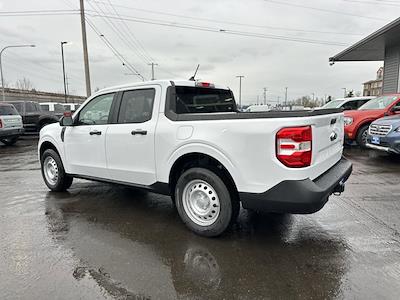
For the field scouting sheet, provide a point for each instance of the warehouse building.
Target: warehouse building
(382, 45)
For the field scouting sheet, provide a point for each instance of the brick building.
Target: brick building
(374, 87)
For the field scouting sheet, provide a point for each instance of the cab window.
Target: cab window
(97, 111)
(136, 106)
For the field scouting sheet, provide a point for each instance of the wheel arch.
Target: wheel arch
(203, 160)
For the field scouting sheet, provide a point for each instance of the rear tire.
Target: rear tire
(9, 141)
(362, 136)
(53, 172)
(204, 202)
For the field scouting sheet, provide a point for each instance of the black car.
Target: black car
(33, 117)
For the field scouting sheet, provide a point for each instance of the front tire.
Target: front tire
(204, 202)
(362, 136)
(53, 172)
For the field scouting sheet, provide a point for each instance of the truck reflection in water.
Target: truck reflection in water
(132, 245)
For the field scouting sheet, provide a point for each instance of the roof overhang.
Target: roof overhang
(372, 48)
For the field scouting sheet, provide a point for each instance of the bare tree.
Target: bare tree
(24, 84)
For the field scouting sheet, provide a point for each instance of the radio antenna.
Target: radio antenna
(192, 78)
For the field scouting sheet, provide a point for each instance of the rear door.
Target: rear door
(84, 143)
(130, 142)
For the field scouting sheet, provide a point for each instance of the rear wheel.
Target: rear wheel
(204, 202)
(362, 136)
(9, 141)
(53, 172)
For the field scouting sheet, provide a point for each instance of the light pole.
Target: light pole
(1, 65)
(63, 66)
(286, 95)
(240, 89)
(345, 92)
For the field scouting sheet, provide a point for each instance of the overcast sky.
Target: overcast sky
(272, 63)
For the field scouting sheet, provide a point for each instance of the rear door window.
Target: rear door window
(191, 100)
(45, 107)
(136, 106)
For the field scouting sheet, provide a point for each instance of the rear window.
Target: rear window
(191, 100)
(45, 107)
(58, 108)
(7, 110)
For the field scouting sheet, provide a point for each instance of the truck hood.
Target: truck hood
(392, 120)
(364, 114)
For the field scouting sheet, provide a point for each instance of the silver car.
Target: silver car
(11, 126)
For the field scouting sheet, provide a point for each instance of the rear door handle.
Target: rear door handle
(139, 131)
(95, 132)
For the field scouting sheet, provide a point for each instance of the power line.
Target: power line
(228, 22)
(339, 12)
(117, 31)
(225, 31)
(132, 35)
(374, 2)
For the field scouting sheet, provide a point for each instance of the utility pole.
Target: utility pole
(152, 69)
(85, 49)
(258, 99)
(345, 92)
(240, 90)
(286, 95)
(63, 66)
(265, 95)
(313, 96)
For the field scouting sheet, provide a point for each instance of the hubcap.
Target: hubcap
(201, 202)
(50, 170)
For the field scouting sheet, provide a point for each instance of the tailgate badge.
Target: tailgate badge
(333, 136)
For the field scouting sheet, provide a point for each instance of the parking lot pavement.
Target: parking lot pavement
(105, 241)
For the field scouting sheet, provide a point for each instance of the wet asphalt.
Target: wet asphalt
(100, 241)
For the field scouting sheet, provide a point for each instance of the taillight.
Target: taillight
(1, 123)
(294, 146)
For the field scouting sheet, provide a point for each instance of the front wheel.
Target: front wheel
(9, 141)
(53, 172)
(204, 202)
(362, 136)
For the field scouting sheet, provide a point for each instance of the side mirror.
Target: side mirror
(66, 119)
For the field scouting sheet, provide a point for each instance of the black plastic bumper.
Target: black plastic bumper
(10, 133)
(300, 196)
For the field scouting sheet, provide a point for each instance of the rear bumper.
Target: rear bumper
(300, 196)
(12, 132)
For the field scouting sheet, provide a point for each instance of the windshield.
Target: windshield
(379, 103)
(6, 110)
(333, 104)
(19, 106)
(203, 100)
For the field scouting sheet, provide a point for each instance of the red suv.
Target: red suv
(356, 122)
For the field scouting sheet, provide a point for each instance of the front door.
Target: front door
(85, 141)
(130, 143)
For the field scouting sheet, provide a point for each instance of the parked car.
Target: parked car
(384, 134)
(357, 121)
(347, 103)
(33, 117)
(10, 124)
(71, 106)
(55, 108)
(187, 139)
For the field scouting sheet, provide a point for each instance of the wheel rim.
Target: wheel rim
(50, 170)
(201, 202)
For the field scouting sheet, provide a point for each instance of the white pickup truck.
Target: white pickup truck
(186, 139)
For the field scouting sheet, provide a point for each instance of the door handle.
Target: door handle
(139, 131)
(95, 132)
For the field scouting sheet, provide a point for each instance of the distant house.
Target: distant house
(374, 87)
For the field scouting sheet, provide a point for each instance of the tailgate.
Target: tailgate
(328, 135)
(13, 121)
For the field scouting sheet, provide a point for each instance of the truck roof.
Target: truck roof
(162, 82)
